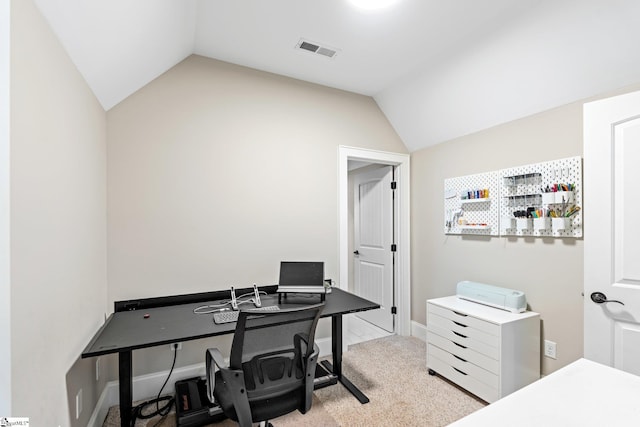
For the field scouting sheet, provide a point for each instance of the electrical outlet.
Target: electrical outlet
(78, 404)
(550, 349)
(179, 346)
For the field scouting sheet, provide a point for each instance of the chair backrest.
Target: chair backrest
(272, 348)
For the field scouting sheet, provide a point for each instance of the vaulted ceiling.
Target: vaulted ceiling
(438, 69)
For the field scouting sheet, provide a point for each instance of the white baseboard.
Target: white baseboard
(147, 386)
(324, 344)
(144, 387)
(102, 407)
(419, 330)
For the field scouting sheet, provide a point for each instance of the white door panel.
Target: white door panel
(612, 233)
(627, 202)
(373, 236)
(627, 351)
(372, 275)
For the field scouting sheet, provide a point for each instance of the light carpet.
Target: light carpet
(392, 372)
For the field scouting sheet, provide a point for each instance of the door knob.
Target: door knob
(356, 253)
(599, 298)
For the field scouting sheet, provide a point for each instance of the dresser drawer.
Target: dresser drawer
(480, 338)
(465, 320)
(465, 341)
(464, 380)
(470, 355)
(482, 375)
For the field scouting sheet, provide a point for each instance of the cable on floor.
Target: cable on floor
(140, 410)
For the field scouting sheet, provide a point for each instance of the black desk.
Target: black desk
(151, 322)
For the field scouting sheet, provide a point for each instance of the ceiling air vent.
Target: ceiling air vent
(316, 48)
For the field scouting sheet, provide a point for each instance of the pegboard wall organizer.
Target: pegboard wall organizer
(471, 205)
(544, 198)
(538, 200)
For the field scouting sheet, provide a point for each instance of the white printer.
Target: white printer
(502, 298)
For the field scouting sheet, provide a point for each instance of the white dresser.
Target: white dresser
(488, 351)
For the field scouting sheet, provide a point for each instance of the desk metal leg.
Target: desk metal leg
(336, 348)
(125, 377)
(336, 345)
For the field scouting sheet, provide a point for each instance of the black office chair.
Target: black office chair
(271, 368)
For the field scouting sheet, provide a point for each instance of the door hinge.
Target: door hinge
(393, 185)
(394, 310)
(394, 247)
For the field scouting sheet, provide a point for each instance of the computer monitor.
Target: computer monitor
(301, 276)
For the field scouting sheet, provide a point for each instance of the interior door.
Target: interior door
(612, 232)
(373, 237)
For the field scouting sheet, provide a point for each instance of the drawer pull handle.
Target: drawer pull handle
(459, 358)
(459, 334)
(460, 314)
(463, 373)
(460, 324)
(459, 345)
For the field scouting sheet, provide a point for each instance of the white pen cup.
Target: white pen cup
(541, 223)
(560, 224)
(507, 223)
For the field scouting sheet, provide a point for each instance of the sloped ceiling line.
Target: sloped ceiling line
(438, 70)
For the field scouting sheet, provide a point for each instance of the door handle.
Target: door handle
(356, 252)
(600, 298)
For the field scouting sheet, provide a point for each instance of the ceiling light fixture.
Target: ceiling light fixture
(373, 4)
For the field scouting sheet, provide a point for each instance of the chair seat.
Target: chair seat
(260, 410)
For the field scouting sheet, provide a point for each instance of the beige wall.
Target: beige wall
(5, 278)
(58, 225)
(217, 172)
(549, 271)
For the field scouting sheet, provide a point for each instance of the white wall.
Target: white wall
(217, 172)
(5, 291)
(58, 223)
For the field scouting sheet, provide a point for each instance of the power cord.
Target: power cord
(139, 411)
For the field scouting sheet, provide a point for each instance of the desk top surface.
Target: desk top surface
(148, 327)
(583, 393)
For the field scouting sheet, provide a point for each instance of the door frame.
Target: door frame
(401, 162)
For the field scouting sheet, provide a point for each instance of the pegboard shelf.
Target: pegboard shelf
(524, 200)
(465, 201)
(475, 227)
(522, 179)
